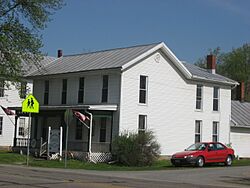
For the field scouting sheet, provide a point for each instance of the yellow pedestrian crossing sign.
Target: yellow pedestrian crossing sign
(30, 105)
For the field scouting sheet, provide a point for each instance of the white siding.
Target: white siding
(240, 138)
(170, 109)
(92, 89)
(11, 99)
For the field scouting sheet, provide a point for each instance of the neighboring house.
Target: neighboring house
(10, 96)
(240, 125)
(133, 89)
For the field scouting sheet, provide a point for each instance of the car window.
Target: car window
(211, 147)
(197, 147)
(219, 146)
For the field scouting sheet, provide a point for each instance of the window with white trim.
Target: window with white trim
(198, 128)
(103, 129)
(142, 123)
(64, 91)
(143, 89)
(1, 125)
(46, 92)
(21, 127)
(81, 90)
(1, 88)
(216, 98)
(215, 133)
(199, 90)
(23, 90)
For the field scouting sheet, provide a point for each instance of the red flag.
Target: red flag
(80, 116)
(7, 111)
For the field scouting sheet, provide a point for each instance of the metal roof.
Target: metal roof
(204, 73)
(121, 58)
(240, 113)
(107, 59)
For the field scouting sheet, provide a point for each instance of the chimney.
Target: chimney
(241, 91)
(59, 53)
(211, 63)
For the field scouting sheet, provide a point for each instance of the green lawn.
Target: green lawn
(17, 159)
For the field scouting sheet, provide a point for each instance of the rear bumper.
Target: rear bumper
(183, 161)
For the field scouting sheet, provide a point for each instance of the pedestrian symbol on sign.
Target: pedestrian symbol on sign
(30, 104)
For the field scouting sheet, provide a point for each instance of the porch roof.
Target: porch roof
(106, 107)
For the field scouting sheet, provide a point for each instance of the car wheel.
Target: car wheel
(228, 161)
(200, 162)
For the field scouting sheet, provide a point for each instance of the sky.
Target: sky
(188, 27)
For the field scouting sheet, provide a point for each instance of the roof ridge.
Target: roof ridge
(112, 49)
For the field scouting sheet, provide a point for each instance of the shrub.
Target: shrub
(134, 149)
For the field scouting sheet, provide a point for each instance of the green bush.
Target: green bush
(134, 149)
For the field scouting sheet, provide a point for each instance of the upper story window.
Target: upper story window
(81, 90)
(46, 92)
(142, 124)
(216, 99)
(105, 83)
(21, 127)
(143, 89)
(103, 128)
(215, 133)
(23, 90)
(1, 125)
(198, 124)
(1, 88)
(64, 91)
(199, 97)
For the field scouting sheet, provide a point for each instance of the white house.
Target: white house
(12, 95)
(240, 124)
(133, 89)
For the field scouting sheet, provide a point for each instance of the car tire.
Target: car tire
(229, 160)
(200, 161)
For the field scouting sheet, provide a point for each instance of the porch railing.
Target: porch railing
(22, 142)
(43, 147)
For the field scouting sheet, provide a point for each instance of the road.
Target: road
(21, 176)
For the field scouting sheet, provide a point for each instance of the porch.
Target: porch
(78, 133)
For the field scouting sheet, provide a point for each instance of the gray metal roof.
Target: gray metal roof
(106, 59)
(204, 73)
(29, 68)
(240, 113)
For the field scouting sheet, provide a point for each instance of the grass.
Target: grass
(17, 159)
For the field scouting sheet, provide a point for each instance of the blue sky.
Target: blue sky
(188, 27)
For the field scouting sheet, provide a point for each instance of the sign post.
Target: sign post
(30, 105)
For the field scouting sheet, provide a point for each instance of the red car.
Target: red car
(202, 153)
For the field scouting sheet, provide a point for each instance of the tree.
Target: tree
(234, 64)
(20, 42)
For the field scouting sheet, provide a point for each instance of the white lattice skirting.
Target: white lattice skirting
(96, 157)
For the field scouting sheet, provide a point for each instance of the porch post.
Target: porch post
(15, 131)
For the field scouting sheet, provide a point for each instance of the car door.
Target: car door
(221, 152)
(211, 153)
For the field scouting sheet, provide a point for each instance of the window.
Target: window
(199, 97)
(198, 131)
(1, 125)
(81, 90)
(142, 124)
(216, 99)
(79, 128)
(105, 82)
(143, 89)
(219, 146)
(46, 92)
(215, 134)
(103, 129)
(1, 88)
(23, 90)
(64, 91)
(21, 126)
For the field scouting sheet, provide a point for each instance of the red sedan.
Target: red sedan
(204, 152)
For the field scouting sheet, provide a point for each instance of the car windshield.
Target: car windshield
(196, 147)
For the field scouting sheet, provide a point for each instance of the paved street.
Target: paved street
(18, 176)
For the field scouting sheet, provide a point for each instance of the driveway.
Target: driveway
(21, 176)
